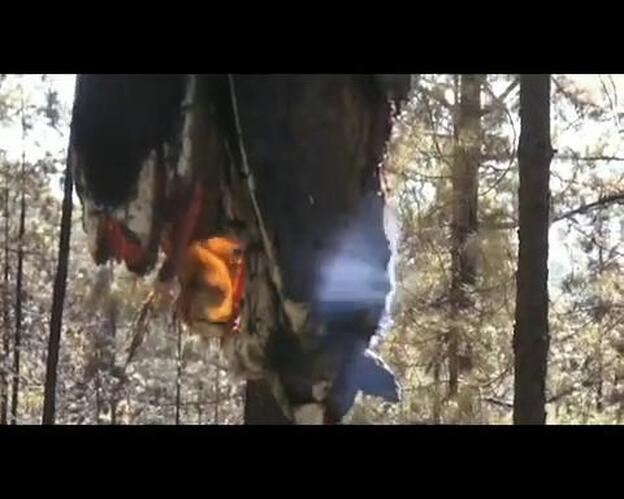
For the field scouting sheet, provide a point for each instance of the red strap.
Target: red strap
(118, 244)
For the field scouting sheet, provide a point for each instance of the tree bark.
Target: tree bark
(437, 401)
(98, 391)
(217, 394)
(464, 215)
(199, 402)
(58, 298)
(531, 336)
(17, 341)
(314, 201)
(111, 355)
(178, 328)
(4, 373)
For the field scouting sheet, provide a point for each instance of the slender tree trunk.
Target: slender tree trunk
(599, 386)
(6, 326)
(531, 337)
(199, 402)
(178, 328)
(98, 398)
(217, 392)
(467, 156)
(620, 404)
(17, 341)
(129, 418)
(111, 356)
(58, 299)
(437, 401)
(599, 227)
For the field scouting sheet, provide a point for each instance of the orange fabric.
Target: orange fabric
(211, 278)
(210, 272)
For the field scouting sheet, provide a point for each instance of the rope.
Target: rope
(275, 272)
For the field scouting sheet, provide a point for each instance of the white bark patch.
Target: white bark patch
(138, 215)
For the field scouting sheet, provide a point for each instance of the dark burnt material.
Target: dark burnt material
(117, 121)
(314, 144)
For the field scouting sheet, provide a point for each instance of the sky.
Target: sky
(603, 90)
(42, 138)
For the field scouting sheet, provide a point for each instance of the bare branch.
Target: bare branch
(440, 99)
(501, 403)
(600, 203)
(516, 81)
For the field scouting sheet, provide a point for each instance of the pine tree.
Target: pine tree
(531, 337)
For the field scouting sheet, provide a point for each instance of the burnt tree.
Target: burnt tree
(314, 144)
(288, 165)
(531, 337)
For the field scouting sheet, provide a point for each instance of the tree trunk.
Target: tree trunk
(58, 298)
(437, 401)
(98, 391)
(531, 337)
(111, 352)
(600, 232)
(217, 396)
(199, 402)
(17, 342)
(4, 372)
(620, 404)
(178, 328)
(464, 215)
(315, 205)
